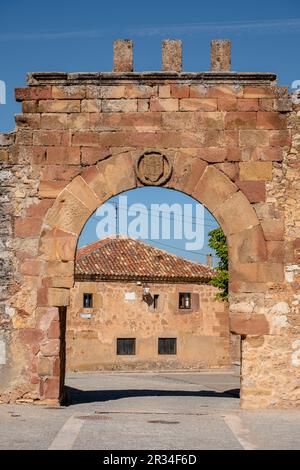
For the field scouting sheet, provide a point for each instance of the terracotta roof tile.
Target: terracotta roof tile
(125, 258)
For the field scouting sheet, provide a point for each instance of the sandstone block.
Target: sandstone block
(68, 213)
(58, 298)
(283, 105)
(271, 272)
(47, 137)
(119, 106)
(27, 228)
(258, 92)
(79, 121)
(58, 245)
(45, 366)
(280, 138)
(247, 104)
(123, 55)
(80, 189)
(276, 251)
(33, 93)
(59, 106)
(225, 91)
(255, 191)
(254, 138)
(51, 189)
(30, 267)
(31, 336)
(171, 55)
(4, 156)
(73, 92)
(39, 208)
(91, 106)
(255, 171)
(228, 103)
(220, 55)
(273, 229)
(266, 104)
(235, 214)
(269, 154)
(187, 171)
(198, 91)
(30, 107)
(54, 330)
(92, 155)
(180, 91)
(164, 91)
(240, 120)
(32, 121)
(86, 138)
(241, 325)
(271, 120)
(140, 91)
(247, 246)
(161, 104)
(213, 188)
(53, 121)
(143, 105)
(63, 155)
(198, 104)
(51, 388)
(105, 91)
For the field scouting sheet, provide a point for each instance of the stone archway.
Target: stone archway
(233, 141)
(85, 193)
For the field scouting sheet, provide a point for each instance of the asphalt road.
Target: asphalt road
(161, 411)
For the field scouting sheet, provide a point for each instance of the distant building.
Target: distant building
(134, 306)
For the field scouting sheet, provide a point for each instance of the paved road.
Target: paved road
(149, 411)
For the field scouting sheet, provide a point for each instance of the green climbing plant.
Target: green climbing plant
(217, 241)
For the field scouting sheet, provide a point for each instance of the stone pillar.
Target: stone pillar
(220, 55)
(172, 55)
(123, 55)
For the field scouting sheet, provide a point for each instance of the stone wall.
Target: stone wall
(202, 332)
(231, 141)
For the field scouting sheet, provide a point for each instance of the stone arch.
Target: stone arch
(64, 221)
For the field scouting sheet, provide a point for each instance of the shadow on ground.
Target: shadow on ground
(75, 396)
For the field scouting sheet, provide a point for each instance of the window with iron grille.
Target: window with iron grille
(87, 300)
(125, 346)
(185, 300)
(167, 345)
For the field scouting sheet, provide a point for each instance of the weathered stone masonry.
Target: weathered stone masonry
(233, 141)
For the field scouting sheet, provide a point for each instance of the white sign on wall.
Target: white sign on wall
(86, 315)
(129, 295)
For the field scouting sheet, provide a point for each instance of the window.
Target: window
(185, 300)
(87, 300)
(155, 300)
(167, 345)
(125, 346)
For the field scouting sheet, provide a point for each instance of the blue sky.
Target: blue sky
(77, 35)
(188, 220)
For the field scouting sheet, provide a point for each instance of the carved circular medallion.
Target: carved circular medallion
(153, 168)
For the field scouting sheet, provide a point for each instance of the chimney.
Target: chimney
(220, 55)
(123, 55)
(209, 260)
(172, 55)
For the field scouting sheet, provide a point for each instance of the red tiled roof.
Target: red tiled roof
(128, 259)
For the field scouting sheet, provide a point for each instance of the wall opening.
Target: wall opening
(143, 297)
